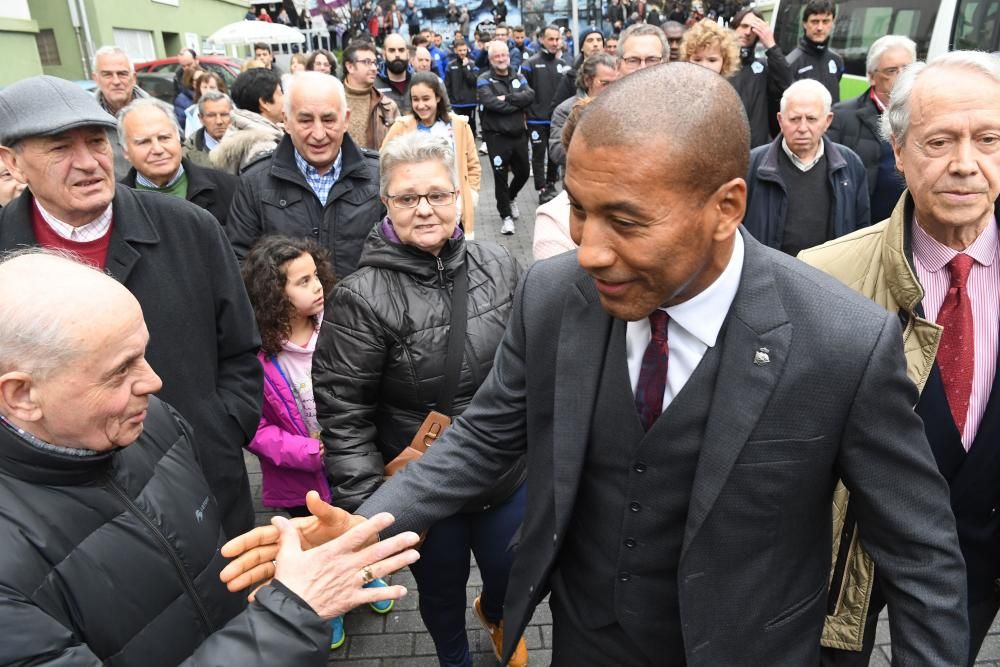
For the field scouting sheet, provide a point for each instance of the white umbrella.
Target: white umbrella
(248, 32)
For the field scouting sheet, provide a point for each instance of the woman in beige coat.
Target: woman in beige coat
(431, 113)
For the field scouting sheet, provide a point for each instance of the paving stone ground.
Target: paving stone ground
(398, 639)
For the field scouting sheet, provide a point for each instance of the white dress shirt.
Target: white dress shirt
(693, 328)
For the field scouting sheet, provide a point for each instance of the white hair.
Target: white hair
(213, 96)
(495, 46)
(808, 87)
(111, 51)
(145, 103)
(896, 119)
(412, 148)
(311, 79)
(32, 342)
(887, 43)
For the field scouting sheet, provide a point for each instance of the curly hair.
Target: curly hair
(263, 273)
(705, 34)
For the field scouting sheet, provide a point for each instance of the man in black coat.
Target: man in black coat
(152, 143)
(813, 58)
(170, 254)
(326, 189)
(544, 71)
(856, 122)
(761, 81)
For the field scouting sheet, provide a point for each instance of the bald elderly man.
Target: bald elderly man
(111, 536)
(317, 184)
(686, 398)
(172, 255)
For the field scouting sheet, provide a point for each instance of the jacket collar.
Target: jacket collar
(198, 181)
(283, 163)
(897, 255)
(812, 47)
(383, 249)
(770, 171)
(27, 462)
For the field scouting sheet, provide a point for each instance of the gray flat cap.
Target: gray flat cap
(46, 105)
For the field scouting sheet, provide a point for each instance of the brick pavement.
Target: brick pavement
(398, 639)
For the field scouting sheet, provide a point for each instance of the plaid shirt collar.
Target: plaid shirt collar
(320, 183)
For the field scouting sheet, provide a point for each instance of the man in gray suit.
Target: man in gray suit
(687, 399)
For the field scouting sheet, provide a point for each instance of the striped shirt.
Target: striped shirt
(931, 259)
(89, 232)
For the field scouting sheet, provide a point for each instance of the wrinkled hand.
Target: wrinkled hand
(329, 577)
(254, 552)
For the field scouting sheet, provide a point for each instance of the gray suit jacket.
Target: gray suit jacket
(833, 401)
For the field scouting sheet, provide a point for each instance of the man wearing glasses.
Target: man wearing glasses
(856, 122)
(371, 111)
(317, 184)
(641, 45)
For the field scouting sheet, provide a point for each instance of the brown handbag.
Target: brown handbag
(437, 420)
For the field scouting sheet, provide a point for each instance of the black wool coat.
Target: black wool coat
(210, 189)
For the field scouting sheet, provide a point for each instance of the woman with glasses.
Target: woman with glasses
(381, 364)
(432, 114)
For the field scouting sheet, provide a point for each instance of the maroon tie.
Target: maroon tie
(956, 352)
(653, 375)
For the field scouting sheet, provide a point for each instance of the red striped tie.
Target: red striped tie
(956, 353)
(653, 375)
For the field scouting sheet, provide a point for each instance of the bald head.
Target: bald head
(394, 41)
(53, 308)
(698, 122)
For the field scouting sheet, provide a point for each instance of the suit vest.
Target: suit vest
(619, 562)
(974, 479)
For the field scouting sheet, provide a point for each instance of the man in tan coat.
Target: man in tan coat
(935, 263)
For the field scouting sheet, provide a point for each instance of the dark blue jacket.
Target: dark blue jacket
(767, 197)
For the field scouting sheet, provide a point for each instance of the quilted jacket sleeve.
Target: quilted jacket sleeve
(347, 368)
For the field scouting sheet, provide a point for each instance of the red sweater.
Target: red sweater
(93, 252)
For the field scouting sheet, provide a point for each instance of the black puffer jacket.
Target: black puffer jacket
(113, 559)
(379, 361)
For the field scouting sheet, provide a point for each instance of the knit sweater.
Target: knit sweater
(358, 101)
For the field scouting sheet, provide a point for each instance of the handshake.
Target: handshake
(325, 559)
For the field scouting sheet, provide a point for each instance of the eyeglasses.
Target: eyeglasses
(635, 62)
(368, 62)
(412, 200)
(890, 71)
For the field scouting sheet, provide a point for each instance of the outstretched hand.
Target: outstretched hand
(331, 577)
(254, 552)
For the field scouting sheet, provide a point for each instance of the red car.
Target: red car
(227, 68)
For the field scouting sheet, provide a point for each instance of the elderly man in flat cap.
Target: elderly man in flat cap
(112, 547)
(171, 254)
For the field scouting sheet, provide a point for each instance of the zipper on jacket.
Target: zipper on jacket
(168, 548)
(440, 266)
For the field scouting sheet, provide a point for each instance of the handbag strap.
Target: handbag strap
(456, 339)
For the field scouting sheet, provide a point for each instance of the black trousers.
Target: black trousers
(470, 115)
(981, 615)
(545, 171)
(507, 155)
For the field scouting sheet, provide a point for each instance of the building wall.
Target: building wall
(17, 42)
(167, 21)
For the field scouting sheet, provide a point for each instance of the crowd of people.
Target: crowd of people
(653, 424)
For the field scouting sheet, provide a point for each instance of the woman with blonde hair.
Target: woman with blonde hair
(708, 44)
(432, 114)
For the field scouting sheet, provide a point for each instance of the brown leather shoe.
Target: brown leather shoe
(520, 657)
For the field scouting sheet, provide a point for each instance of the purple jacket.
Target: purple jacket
(290, 460)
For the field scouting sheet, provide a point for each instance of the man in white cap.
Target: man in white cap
(171, 254)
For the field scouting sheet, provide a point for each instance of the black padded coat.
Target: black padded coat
(113, 559)
(379, 361)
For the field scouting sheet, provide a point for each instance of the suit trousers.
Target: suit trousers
(443, 572)
(981, 615)
(507, 154)
(544, 176)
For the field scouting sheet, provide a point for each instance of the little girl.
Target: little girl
(287, 280)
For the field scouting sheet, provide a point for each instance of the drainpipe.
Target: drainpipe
(81, 25)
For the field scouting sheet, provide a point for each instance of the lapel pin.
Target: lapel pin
(761, 357)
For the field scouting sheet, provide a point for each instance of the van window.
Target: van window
(976, 25)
